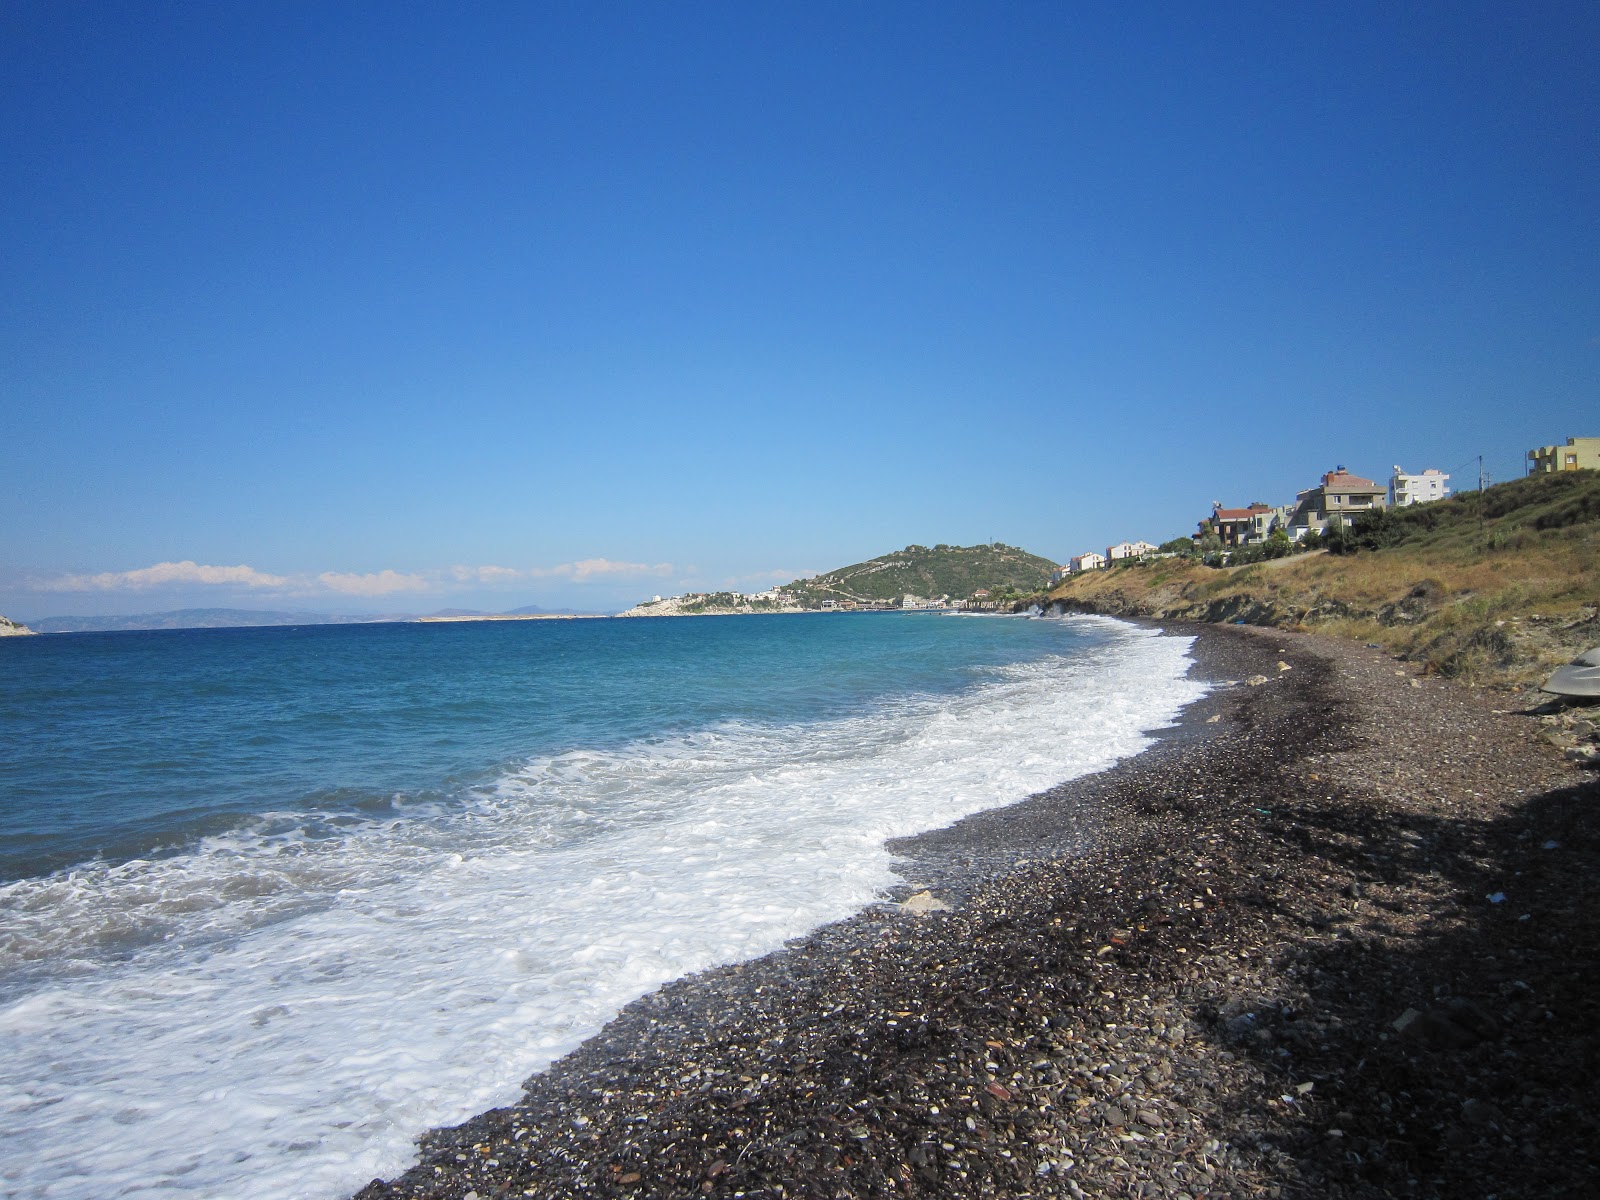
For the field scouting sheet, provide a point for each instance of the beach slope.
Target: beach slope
(1333, 937)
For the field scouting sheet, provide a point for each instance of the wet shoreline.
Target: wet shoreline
(1121, 998)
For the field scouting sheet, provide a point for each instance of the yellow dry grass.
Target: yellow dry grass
(1485, 605)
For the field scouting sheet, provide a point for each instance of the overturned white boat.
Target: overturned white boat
(1580, 678)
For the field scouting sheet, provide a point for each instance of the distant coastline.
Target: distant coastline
(457, 618)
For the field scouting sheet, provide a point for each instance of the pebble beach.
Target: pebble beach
(1332, 936)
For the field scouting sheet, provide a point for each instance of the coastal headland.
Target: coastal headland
(1332, 936)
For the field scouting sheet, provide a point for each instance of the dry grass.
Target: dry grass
(1499, 598)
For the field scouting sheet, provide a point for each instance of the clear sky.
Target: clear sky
(391, 307)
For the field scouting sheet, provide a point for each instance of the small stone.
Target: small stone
(1255, 681)
(924, 902)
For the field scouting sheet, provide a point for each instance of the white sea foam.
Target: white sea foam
(280, 1012)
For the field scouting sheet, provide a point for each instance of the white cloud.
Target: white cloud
(578, 572)
(488, 574)
(166, 574)
(349, 583)
(592, 568)
(376, 583)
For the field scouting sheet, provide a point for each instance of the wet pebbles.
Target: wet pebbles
(1262, 959)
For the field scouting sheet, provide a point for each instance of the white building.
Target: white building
(1417, 489)
(1060, 573)
(1087, 562)
(1129, 550)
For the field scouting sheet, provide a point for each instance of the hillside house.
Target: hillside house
(1405, 489)
(1235, 527)
(1338, 499)
(1087, 562)
(1579, 454)
(1124, 550)
(1060, 573)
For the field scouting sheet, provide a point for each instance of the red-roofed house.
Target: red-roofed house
(1236, 526)
(1338, 499)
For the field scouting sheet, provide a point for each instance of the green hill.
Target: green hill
(954, 571)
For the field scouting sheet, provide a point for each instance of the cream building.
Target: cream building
(1579, 454)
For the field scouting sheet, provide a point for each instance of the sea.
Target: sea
(275, 901)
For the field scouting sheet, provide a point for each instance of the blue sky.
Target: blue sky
(375, 307)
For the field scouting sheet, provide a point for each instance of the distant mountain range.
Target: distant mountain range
(242, 618)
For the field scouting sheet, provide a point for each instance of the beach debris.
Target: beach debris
(1580, 677)
(924, 902)
(1283, 666)
(1255, 681)
(1496, 897)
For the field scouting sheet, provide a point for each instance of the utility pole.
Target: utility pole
(1480, 493)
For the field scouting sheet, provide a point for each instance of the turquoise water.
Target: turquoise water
(274, 901)
(122, 744)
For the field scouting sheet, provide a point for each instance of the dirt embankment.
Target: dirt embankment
(1497, 621)
(1491, 587)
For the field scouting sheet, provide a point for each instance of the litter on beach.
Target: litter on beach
(1579, 678)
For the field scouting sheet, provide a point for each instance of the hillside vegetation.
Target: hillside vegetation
(1492, 586)
(954, 571)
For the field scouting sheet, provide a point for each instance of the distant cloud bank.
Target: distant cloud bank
(579, 572)
(346, 583)
(165, 574)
